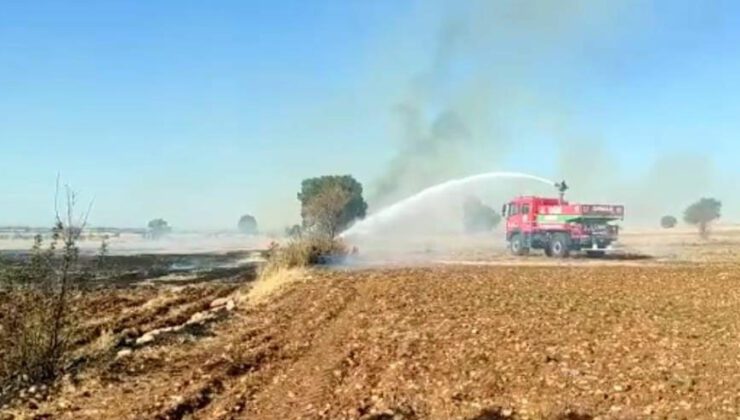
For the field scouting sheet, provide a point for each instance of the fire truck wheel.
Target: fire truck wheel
(517, 245)
(559, 246)
(548, 251)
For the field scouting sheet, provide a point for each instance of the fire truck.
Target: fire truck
(559, 227)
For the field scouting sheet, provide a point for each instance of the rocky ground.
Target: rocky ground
(468, 342)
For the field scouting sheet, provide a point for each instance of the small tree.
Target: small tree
(668, 222)
(158, 228)
(325, 211)
(702, 213)
(329, 204)
(247, 225)
(478, 217)
(37, 317)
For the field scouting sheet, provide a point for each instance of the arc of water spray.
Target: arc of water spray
(389, 213)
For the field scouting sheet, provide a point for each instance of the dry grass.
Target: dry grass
(286, 264)
(272, 281)
(103, 344)
(25, 337)
(304, 252)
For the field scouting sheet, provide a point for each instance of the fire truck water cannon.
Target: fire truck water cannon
(559, 227)
(562, 188)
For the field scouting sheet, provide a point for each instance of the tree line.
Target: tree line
(700, 214)
(331, 203)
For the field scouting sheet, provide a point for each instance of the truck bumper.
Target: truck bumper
(596, 243)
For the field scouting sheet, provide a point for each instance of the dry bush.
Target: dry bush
(25, 337)
(305, 251)
(285, 263)
(36, 322)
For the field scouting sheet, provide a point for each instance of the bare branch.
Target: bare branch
(56, 199)
(70, 206)
(86, 215)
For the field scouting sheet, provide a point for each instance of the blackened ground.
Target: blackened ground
(115, 271)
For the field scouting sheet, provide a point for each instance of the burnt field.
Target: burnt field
(425, 342)
(124, 271)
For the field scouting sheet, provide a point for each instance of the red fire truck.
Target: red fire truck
(560, 227)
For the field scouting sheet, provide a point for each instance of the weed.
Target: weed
(36, 323)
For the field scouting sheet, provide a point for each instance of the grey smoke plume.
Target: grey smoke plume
(466, 112)
(453, 119)
(429, 155)
(432, 144)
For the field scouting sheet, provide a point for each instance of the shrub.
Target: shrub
(304, 252)
(247, 225)
(35, 314)
(668, 222)
(158, 228)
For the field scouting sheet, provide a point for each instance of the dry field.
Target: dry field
(628, 338)
(635, 245)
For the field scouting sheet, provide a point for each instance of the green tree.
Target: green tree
(324, 211)
(158, 228)
(668, 222)
(478, 217)
(248, 225)
(329, 204)
(702, 213)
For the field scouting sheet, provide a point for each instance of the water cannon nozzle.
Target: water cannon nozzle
(562, 188)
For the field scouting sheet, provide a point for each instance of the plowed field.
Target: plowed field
(468, 342)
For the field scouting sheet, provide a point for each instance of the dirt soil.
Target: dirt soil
(467, 342)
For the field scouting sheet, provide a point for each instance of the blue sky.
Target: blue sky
(199, 112)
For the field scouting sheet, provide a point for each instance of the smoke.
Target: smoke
(432, 148)
(480, 103)
(460, 114)
(427, 156)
